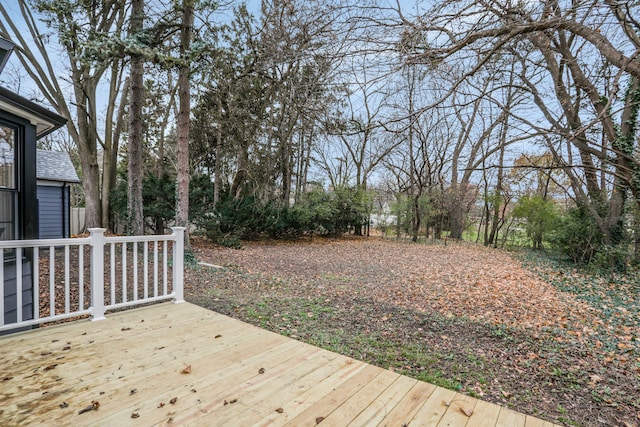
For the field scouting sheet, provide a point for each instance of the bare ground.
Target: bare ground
(461, 316)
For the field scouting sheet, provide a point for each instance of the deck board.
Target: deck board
(240, 375)
(407, 408)
(363, 398)
(380, 408)
(434, 408)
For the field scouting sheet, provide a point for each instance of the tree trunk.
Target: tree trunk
(495, 223)
(87, 149)
(135, 223)
(110, 159)
(286, 172)
(415, 218)
(458, 211)
(182, 199)
(217, 183)
(241, 173)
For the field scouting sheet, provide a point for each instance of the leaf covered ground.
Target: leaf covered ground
(518, 330)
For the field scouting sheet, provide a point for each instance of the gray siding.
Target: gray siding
(53, 212)
(10, 283)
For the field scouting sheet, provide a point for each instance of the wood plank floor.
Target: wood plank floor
(133, 364)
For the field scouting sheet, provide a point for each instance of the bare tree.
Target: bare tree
(567, 51)
(75, 28)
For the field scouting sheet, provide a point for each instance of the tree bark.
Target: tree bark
(182, 195)
(217, 183)
(110, 159)
(135, 173)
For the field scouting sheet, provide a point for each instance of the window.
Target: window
(8, 182)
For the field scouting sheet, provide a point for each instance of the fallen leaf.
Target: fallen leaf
(506, 394)
(173, 401)
(186, 370)
(93, 407)
(133, 391)
(279, 410)
(217, 336)
(135, 415)
(233, 400)
(66, 348)
(261, 371)
(50, 367)
(319, 420)
(161, 405)
(445, 403)
(595, 378)
(63, 405)
(125, 329)
(7, 378)
(467, 412)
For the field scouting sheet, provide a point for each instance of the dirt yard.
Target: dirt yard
(566, 349)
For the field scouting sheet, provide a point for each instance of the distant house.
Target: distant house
(22, 122)
(54, 172)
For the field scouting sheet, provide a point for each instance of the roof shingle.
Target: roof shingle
(55, 166)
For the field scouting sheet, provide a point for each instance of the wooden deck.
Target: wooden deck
(134, 365)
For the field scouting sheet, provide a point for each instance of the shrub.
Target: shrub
(541, 218)
(318, 212)
(578, 236)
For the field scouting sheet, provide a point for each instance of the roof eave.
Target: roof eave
(44, 120)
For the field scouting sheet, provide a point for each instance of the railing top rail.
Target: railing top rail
(10, 244)
(148, 238)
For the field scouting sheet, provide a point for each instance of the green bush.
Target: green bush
(318, 212)
(577, 235)
(541, 218)
(612, 258)
(158, 198)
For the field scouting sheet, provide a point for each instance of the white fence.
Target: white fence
(89, 276)
(77, 221)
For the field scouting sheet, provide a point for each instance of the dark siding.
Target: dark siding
(28, 200)
(27, 217)
(66, 211)
(10, 300)
(50, 208)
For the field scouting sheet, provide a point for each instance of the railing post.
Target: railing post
(96, 235)
(178, 264)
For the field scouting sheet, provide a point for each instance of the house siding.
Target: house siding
(10, 297)
(30, 122)
(53, 208)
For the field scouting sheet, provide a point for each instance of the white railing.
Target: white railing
(64, 278)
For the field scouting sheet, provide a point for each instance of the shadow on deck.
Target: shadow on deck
(184, 365)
